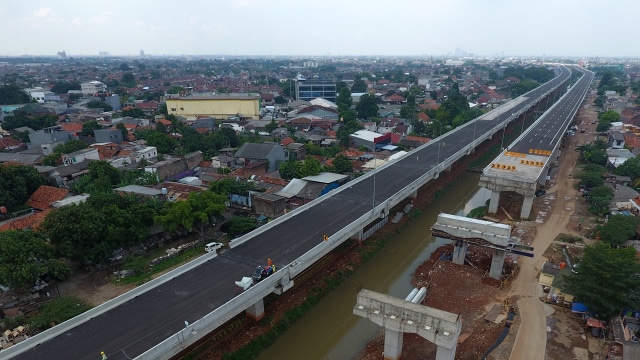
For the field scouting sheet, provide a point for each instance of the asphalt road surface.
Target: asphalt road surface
(552, 126)
(134, 327)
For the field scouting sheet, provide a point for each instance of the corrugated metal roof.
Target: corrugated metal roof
(325, 177)
(293, 188)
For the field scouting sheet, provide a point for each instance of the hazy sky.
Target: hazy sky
(326, 27)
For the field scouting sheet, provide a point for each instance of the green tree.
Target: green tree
(175, 89)
(133, 112)
(310, 167)
(271, 126)
(618, 229)
(123, 129)
(97, 104)
(193, 214)
(606, 280)
(124, 67)
(367, 107)
(11, 94)
(36, 122)
(609, 116)
(128, 80)
(88, 127)
(240, 225)
(163, 142)
(79, 233)
(590, 179)
(433, 94)
(359, 86)
(290, 170)
(62, 87)
(280, 100)
(349, 126)
(600, 197)
(25, 255)
(342, 164)
(630, 168)
(18, 183)
(344, 100)
(102, 177)
(70, 146)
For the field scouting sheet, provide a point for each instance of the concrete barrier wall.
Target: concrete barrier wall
(100, 309)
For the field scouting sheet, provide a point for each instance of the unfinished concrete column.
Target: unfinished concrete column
(459, 252)
(497, 261)
(392, 344)
(495, 201)
(543, 176)
(444, 353)
(397, 316)
(527, 204)
(256, 311)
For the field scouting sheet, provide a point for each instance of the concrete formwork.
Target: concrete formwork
(398, 316)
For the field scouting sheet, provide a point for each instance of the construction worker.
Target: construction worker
(104, 356)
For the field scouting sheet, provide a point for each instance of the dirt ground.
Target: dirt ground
(538, 330)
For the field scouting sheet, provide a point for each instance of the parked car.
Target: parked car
(213, 246)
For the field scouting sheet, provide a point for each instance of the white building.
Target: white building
(38, 94)
(146, 153)
(80, 156)
(92, 87)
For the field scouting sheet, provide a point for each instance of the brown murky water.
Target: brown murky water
(330, 330)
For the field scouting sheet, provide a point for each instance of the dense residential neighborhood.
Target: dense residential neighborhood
(103, 160)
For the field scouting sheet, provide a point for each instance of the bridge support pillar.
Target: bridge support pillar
(392, 344)
(444, 353)
(414, 194)
(542, 181)
(358, 235)
(494, 202)
(497, 261)
(256, 311)
(459, 252)
(527, 204)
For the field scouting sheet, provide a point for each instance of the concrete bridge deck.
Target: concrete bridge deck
(170, 313)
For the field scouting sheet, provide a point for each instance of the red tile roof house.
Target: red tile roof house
(9, 144)
(42, 198)
(395, 99)
(31, 221)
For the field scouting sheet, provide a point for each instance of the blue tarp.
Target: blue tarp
(579, 308)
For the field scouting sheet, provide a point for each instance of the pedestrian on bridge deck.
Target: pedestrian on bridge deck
(104, 356)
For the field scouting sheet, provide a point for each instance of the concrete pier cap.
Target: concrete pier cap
(398, 316)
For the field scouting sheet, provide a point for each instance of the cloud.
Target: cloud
(42, 12)
(102, 18)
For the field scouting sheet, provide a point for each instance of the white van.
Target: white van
(213, 246)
